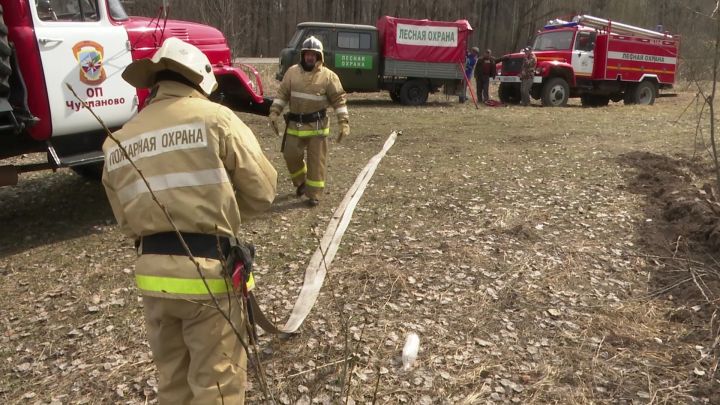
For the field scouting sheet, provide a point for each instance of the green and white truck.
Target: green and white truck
(408, 58)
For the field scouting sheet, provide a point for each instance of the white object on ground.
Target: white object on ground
(410, 350)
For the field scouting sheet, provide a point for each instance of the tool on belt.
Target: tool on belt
(238, 268)
(282, 145)
(239, 263)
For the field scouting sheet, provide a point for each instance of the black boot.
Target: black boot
(300, 190)
(313, 202)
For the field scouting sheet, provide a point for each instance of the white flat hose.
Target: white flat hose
(323, 256)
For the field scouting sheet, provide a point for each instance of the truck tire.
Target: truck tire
(555, 92)
(5, 53)
(593, 100)
(643, 93)
(509, 93)
(414, 92)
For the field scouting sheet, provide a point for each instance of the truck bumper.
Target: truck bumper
(239, 91)
(514, 79)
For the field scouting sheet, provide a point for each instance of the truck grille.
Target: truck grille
(180, 33)
(512, 65)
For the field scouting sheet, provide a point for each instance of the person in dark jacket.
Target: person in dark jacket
(484, 71)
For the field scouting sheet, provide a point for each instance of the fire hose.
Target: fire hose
(325, 253)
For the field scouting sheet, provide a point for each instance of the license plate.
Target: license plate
(509, 79)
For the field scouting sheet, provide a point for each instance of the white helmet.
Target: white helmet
(177, 56)
(312, 44)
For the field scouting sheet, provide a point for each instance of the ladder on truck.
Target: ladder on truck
(618, 28)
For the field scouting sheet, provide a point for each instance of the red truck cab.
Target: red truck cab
(86, 44)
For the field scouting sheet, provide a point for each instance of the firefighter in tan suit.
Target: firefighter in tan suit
(208, 170)
(308, 89)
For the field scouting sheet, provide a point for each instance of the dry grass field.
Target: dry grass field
(542, 255)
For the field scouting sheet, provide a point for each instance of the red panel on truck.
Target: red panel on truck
(423, 40)
(631, 58)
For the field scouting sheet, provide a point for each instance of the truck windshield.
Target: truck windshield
(117, 12)
(553, 40)
(295, 39)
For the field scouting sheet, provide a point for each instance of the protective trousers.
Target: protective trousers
(525, 87)
(312, 174)
(198, 356)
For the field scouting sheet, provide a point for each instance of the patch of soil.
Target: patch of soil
(522, 231)
(683, 229)
(682, 209)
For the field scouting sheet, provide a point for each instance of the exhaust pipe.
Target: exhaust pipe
(8, 176)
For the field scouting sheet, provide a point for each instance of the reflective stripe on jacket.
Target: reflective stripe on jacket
(204, 165)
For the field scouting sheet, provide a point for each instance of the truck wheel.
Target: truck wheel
(592, 100)
(5, 53)
(509, 93)
(555, 92)
(414, 92)
(644, 93)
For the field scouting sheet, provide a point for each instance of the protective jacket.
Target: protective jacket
(527, 71)
(204, 165)
(308, 92)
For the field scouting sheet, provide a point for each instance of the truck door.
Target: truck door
(356, 60)
(79, 46)
(583, 54)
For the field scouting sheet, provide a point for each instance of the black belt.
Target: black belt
(307, 117)
(201, 245)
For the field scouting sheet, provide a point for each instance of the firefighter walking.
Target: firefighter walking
(206, 166)
(308, 88)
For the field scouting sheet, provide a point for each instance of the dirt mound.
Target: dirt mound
(683, 209)
(682, 229)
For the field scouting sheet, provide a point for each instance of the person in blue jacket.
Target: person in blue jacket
(471, 59)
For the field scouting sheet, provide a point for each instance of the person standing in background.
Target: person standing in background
(526, 76)
(484, 72)
(471, 59)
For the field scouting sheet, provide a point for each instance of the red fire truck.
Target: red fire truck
(595, 59)
(45, 44)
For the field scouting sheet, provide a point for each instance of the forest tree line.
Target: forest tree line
(262, 28)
